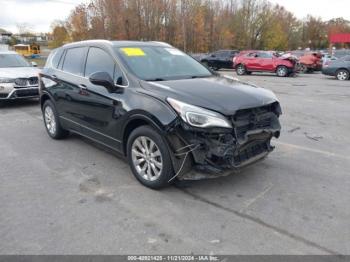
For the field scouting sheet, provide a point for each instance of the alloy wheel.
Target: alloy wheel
(343, 75)
(282, 71)
(50, 120)
(147, 158)
(241, 70)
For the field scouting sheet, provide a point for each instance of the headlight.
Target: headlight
(197, 116)
(7, 80)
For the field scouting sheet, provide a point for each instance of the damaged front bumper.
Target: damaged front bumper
(200, 154)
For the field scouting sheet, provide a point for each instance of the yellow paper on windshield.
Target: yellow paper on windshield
(133, 51)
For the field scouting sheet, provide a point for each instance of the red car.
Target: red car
(264, 61)
(310, 62)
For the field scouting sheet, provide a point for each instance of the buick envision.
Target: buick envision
(170, 116)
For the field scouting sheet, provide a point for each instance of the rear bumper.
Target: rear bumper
(21, 93)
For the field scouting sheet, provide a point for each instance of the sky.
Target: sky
(39, 14)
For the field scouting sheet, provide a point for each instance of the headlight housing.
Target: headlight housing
(197, 116)
(6, 80)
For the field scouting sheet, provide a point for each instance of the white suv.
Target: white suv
(18, 78)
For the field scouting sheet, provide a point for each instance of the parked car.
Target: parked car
(339, 68)
(341, 53)
(326, 58)
(219, 59)
(264, 61)
(168, 114)
(310, 62)
(18, 78)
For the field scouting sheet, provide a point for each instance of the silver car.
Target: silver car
(18, 78)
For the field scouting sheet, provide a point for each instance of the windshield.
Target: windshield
(153, 63)
(12, 60)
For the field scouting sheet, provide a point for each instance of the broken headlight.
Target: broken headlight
(197, 116)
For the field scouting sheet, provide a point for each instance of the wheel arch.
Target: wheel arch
(44, 97)
(342, 68)
(136, 121)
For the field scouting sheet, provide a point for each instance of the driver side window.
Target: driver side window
(99, 61)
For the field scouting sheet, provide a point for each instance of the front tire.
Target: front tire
(282, 71)
(149, 158)
(51, 121)
(342, 74)
(240, 70)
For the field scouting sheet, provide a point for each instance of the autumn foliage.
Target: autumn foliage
(198, 25)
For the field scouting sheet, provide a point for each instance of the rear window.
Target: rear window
(56, 57)
(74, 59)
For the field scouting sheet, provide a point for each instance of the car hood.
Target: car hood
(221, 94)
(18, 72)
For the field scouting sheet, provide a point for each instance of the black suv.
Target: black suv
(220, 59)
(169, 115)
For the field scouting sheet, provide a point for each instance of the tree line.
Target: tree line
(197, 25)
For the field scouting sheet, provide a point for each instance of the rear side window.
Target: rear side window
(99, 61)
(56, 58)
(74, 59)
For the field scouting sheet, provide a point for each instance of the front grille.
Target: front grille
(33, 81)
(25, 93)
(253, 119)
(24, 82)
(250, 152)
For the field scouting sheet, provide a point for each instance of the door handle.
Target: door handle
(83, 90)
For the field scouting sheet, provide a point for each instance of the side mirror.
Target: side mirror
(34, 64)
(103, 79)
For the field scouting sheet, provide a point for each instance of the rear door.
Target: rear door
(71, 76)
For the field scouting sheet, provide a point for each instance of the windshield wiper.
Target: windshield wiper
(155, 79)
(199, 76)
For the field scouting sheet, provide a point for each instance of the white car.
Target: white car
(18, 78)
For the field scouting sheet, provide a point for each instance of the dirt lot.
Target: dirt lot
(73, 197)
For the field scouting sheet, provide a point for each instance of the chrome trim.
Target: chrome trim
(93, 130)
(94, 140)
(19, 89)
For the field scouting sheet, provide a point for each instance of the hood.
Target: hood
(19, 72)
(222, 94)
(289, 57)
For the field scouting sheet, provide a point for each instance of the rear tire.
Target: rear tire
(149, 158)
(241, 70)
(342, 74)
(52, 121)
